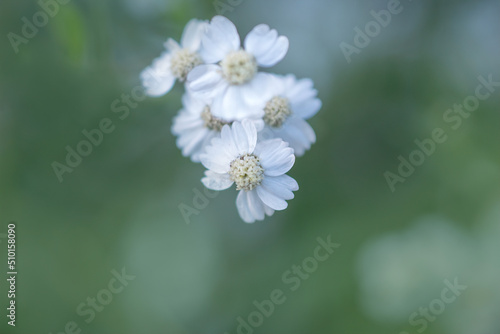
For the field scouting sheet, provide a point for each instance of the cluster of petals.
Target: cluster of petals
(244, 125)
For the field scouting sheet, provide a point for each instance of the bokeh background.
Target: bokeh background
(120, 207)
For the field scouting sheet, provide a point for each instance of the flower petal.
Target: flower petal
(201, 149)
(242, 206)
(275, 156)
(298, 133)
(266, 46)
(262, 88)
(193, 136)
(306, 109)
(271, 200)
(250, 206)
(304, 129)
(220, 152)
(268, 210)
(281, 186)
(275, 54)
(193, 32)
(205, 81)
(216, 157)
(216, 181)
(220, 38)
(232, 103)
(299, 90)
(186, 121)
(245, 136)
(192, 141)
(251, 133)
(157, 79)
(261, 38)
(213, 165)
(229, 142)
(258, 123)
(283, 167)
(193, 105)
(171, 45)
(255, 205)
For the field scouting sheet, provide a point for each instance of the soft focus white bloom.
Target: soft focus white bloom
(195, 126)
(289, 102)
(175, 63)
(230, 76)
(401, 274)
(480, 311)
(258, 169)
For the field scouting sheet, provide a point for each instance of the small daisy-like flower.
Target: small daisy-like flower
(175, 63)
(289, 103)
(195, 126)
(257, 169)
(230, 76)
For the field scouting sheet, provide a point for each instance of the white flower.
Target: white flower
(175, 63)
(258, 169)
(195, 126)
(289, 103)
(230, 76)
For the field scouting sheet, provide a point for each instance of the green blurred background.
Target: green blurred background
(120, 207)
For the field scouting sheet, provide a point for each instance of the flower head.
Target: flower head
(195, 126)
(176, 62)
(230, 76)
(257, 168)
(289, 103)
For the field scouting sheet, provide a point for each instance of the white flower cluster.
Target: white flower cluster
(243, 125)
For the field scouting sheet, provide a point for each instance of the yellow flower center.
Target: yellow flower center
(277, 111)
(239, 67)
(212, 122)
(247, 172)
(183, 61)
